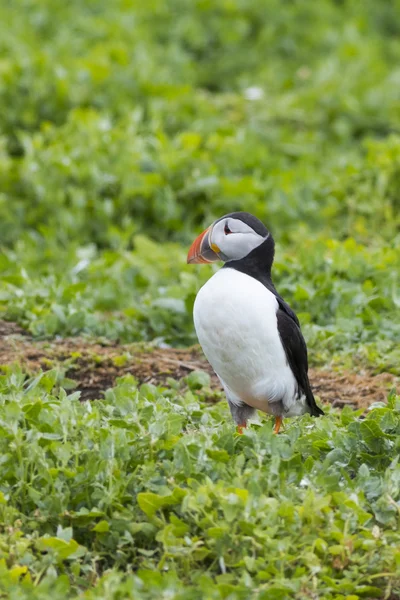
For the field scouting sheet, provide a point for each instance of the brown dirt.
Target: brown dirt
(95, 367)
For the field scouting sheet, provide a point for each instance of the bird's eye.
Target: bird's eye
(226, 229)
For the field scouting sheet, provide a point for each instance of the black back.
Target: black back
(258, 264)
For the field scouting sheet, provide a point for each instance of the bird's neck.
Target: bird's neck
(258, 263)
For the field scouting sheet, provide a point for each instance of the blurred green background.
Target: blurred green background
(126, 127)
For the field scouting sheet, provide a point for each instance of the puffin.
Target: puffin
(249, 334)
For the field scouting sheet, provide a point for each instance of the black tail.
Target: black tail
(315, 410)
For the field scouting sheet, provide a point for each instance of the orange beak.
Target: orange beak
(202, 250)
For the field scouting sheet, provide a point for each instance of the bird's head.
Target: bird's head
(231, 237)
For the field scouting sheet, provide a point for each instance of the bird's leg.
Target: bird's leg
(278, 423)
(241, 412)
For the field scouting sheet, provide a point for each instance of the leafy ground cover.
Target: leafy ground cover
(125, 128)
(153, 482)
(122, 122)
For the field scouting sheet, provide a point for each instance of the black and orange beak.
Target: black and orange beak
(202, 250)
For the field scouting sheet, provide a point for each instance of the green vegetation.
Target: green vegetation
(125, 128)
(121, 121)
(200, 514)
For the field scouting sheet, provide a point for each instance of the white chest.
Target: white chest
(236, 323)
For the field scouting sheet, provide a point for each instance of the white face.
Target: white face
(234, 238)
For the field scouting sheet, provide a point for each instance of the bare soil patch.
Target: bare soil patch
(95, 366)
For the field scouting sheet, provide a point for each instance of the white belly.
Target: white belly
(236, 323)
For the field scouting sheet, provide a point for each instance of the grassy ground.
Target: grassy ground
(125, 129)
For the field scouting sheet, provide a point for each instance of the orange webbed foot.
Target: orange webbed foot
(278, 423)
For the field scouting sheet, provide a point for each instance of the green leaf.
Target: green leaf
(372, 434)
(101, 527)
(150, 503)
(60, 547)
(197, 380)
(219, 455)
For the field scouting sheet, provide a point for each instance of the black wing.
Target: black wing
(296, 352)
